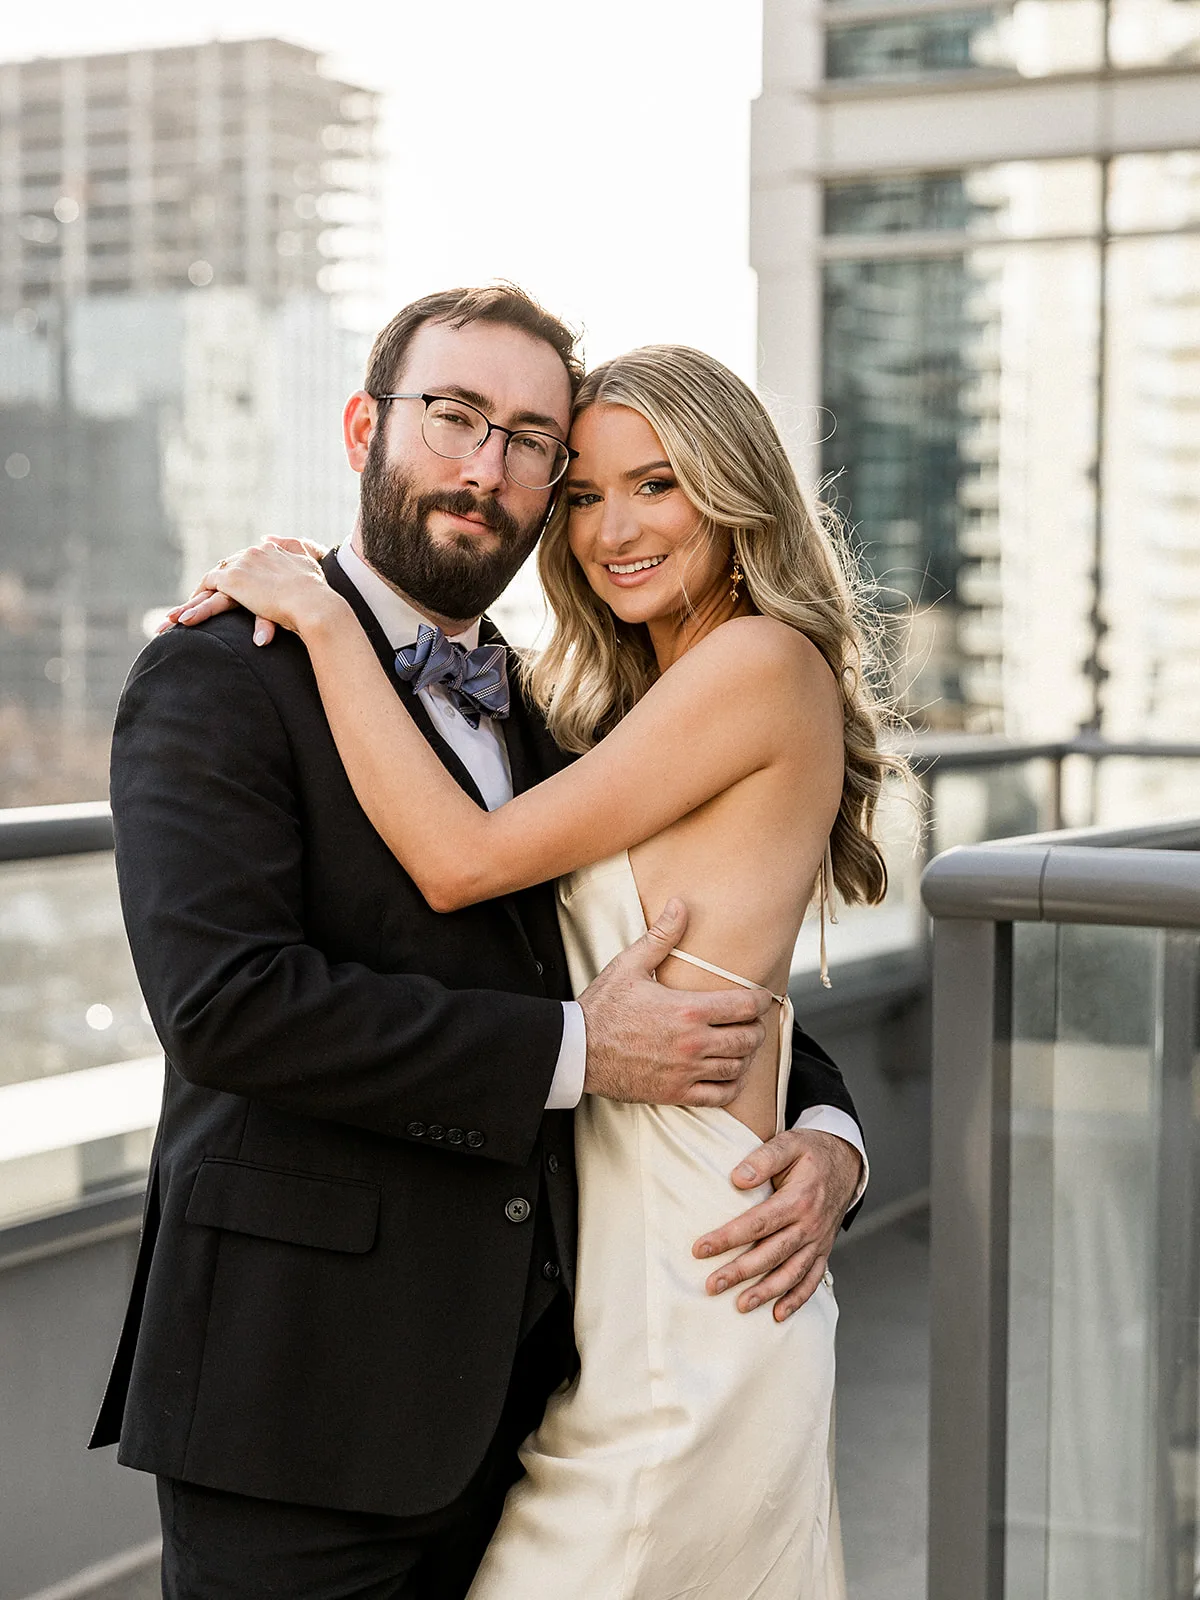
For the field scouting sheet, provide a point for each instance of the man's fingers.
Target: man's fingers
(707, 1093)
(804, 1290)
(795, 1271)
(769, 1160)
(661, 937)
(734, 1043)
(768, 1217)
(789, 1244)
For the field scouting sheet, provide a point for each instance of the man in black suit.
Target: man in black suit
(353, 1292)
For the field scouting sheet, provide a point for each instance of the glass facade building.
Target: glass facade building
(977, 231)
(184, 233)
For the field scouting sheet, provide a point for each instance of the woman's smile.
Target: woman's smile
(627, 574)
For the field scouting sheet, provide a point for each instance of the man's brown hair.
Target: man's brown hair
(504, 303)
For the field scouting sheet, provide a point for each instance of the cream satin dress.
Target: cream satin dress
(693, 1454)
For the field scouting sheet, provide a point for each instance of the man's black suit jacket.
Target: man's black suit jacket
(339, 1222)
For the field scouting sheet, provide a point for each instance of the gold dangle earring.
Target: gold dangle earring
(736, 577)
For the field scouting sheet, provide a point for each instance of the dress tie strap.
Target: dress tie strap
(826, 888)
(720, 972)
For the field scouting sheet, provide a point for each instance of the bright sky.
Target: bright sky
(598, 154)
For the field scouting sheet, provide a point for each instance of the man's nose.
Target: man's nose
(484, 468)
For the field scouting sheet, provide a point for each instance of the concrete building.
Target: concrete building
(976, 228)
(181, 231)
(235, 163)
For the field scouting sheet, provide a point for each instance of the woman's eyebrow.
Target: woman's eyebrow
(651, 466)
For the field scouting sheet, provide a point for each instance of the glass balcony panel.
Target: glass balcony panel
(67, 986)
(1101, 1388)
(1029, 38)
(81, 1073)
(997, 802)
(898, 923)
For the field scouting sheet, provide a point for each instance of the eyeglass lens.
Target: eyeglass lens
(454, 429)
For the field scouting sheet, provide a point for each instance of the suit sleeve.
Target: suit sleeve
(816, 1080)
(210, 860)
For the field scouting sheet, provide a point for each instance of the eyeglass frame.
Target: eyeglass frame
(492, 427)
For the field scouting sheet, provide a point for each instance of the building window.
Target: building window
(981, 460)
(1028, 38)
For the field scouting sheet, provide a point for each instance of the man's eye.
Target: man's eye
(532, 445)
(455, 419)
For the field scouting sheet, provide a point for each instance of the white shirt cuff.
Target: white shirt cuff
(566, 1087)
(828, 1119)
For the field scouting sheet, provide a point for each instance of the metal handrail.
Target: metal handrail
(31, 833)
(1140, 877)
(1145, 877)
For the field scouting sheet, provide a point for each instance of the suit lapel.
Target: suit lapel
(337, 579)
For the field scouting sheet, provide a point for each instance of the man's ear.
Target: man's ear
(359, 421)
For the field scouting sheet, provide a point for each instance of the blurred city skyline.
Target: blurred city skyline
(638, 116)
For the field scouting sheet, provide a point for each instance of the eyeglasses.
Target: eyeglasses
(453, 429)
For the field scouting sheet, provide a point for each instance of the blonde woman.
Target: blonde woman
(707, 664)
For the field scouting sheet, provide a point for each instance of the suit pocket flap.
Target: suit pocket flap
(293, 1207)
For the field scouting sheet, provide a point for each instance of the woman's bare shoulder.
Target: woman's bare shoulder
(764, 652)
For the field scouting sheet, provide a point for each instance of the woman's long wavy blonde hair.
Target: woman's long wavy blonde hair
(731, 464)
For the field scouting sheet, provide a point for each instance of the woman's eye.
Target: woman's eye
(655, 486)
(575, 501)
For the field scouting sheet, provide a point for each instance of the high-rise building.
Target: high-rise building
(235, 163)
(976, 226)
(180, 233)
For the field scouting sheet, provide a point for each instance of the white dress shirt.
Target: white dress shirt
(484, 754)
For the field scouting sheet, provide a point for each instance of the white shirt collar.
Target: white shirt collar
(398, 619)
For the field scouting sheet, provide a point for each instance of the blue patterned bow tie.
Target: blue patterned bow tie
(476, 680)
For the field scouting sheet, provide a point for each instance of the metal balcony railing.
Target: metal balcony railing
(1065, 1270)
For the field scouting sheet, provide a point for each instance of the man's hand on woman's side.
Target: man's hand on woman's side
(790, 1234)
(661, 1046)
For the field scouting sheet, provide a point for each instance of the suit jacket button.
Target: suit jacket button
(435, 1131)
(551, 1271)
(474, 1139)
(552, 1162)
(454, 1136)
(415, 1130)
(517, 1209)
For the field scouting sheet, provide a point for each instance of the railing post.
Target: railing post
(1170, 1527)
(972, 984)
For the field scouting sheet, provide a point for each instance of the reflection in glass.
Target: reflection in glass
(963, 393)
(1101, 1392)
(67, 986)
(1000, 802)
(1011, 199)
(1027, 37)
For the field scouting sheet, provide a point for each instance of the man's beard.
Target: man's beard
(457, 578)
